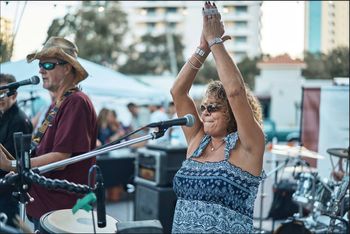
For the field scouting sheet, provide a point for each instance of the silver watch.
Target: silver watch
(200, 52)
(216, 40)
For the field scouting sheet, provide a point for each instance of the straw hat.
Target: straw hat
(58, 47)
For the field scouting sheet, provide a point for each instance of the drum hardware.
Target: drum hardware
(341, 153)
(293, 153)
(6, 228)
(324, 194)
(339, 195)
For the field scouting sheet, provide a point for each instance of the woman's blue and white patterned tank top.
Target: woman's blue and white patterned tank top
(214, 196)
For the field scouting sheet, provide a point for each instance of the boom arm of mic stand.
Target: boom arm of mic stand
(62, 163)
(278, 168)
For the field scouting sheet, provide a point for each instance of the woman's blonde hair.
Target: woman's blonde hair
(216, 90)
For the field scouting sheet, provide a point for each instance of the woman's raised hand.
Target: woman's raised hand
(213, 27)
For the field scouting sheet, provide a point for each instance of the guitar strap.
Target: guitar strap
(49, 118)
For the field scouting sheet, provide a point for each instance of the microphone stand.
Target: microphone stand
(26, 176)
(262, 195)
(62, 163)
(22, 149)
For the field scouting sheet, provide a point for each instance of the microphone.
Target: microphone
(187, 120)
(100, 196)
(14, 85)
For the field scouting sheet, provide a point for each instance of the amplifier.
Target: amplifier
(152, 202)
(157, 165)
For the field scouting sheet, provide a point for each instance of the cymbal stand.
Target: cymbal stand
(262, 194)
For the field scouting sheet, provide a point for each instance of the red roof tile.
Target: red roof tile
(282, 59)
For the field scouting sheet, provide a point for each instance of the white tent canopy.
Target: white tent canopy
(105, 87)
(102, 81)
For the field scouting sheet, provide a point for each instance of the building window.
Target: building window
(241, 24)
(240, 40)
(171, 10)
(151, 11)
(151, 27)
(241, 9)
(172, 25)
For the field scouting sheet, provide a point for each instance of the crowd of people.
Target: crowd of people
(217, 184)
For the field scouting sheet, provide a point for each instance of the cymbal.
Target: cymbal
(339, 152)
(299, 169)
(294, 151)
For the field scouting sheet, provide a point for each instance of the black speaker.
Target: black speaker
(153, 202)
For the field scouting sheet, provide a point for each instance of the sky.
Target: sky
(282, 30)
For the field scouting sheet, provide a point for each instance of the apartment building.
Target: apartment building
(326, 25)
(241, 20)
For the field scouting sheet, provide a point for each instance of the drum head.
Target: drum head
(64, 221)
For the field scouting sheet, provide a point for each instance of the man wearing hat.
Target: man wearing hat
(70, 127)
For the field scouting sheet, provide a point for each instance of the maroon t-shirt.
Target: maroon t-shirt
(74, 130)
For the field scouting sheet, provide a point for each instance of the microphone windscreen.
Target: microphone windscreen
(35, 80)
(190, 120)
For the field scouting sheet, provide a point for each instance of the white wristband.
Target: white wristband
(216, 40)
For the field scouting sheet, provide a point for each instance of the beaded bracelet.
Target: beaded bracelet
(192, 65)
(198, 60)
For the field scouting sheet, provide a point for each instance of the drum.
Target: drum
(303, 194)
(282, 205)
(323, 195)
(292, 227)
(64, 221)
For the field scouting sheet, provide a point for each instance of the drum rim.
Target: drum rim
(46, 225)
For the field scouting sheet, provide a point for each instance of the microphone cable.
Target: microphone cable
(90, 185)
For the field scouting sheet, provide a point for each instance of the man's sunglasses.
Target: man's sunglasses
(211, 108)
(50, 66)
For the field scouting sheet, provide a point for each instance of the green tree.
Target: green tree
(152, 56)
(315, 66)
(249, 70)
(6, 49)
(327, 66)
(98, 29)
(337, 63)
(207, 72)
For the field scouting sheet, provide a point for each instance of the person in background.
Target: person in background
(177, 137)
(12, 119)
(158, 114)
(103, 132)
(135, 122)
(218, 182)
(70, 128)
(115, 125)
(109, 128)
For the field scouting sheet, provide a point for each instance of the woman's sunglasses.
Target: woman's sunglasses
(50, 66)
(211, 108)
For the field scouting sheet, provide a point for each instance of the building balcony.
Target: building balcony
(170, 17)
